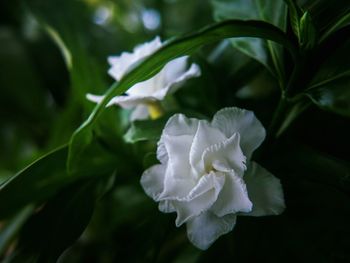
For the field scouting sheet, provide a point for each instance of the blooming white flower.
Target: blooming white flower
(154, 89)
(206, 175)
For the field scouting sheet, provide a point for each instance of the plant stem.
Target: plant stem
(277, 116)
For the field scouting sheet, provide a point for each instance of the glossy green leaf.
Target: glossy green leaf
(333, 96)
(294, 16)
(308, 34)
(173, 49)
(328, 16)
(271, 11)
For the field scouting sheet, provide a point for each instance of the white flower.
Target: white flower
(206, 175)
(154, 89)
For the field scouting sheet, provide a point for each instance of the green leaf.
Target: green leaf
(328, 16)
(291, 114)
(12, 227)
(294, 16)
(35, 183)
(307, 36)
(58, 225)
(334, 67)
(271, 11)
(22, 94)
(302, 25)
(145, 130)
(173, 49)
(72, 35)
(339, 24)
(333, 96)
(329, 89)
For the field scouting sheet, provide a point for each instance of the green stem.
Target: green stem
(284, 103)
(277, 116)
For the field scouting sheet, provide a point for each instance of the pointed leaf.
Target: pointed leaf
(271, 11)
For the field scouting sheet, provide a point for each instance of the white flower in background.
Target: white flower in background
(206, 175)
(143, 94)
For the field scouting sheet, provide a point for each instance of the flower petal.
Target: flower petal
(235, 120)
(162, 154)
(126, 101)
(179, 124)
(178, 148)
(166, 206)
(233, 198)
(129, 102)
(152, 180)
(139, 113)
(178, 180)
(121, 64)
(204, 229)
(205, 137)
(175, 68)
(97, 99)
(175, 74)
(200, 199)
(225, 156)
(264, 190)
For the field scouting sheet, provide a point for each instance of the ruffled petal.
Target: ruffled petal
(152, 180)
(264, 190)
(200, 199)
(166, 206)
(179, 124)
(233, 198)
(204, 229)
(178, 148)
(162, 153)
(205, 137)
(235, 120)
(225, 156)
(179, 180)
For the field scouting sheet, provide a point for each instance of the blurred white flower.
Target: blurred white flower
(206, 175)
(143, 94)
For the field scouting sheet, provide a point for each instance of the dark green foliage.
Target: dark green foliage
(288, 61)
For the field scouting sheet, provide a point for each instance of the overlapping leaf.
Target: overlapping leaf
(271, 11)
